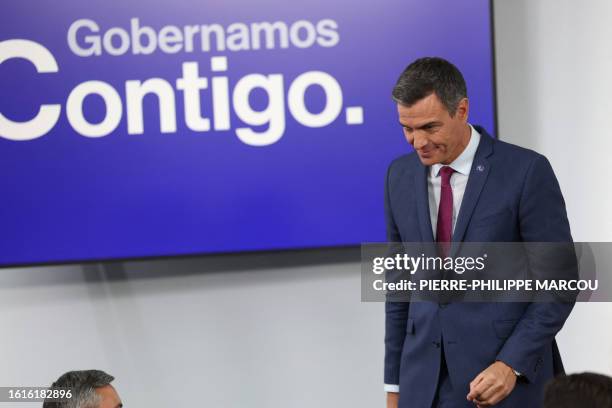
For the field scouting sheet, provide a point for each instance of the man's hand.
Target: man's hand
(392, 399)
(492, 385)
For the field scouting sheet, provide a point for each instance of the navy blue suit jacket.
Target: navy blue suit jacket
(512, 195)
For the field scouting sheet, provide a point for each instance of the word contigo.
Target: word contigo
(191, 84)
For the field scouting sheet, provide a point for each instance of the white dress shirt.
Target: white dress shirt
(458, 181)
(462, 166)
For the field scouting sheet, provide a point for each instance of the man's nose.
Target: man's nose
(420, 141)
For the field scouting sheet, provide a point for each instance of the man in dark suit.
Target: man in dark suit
(462, 185)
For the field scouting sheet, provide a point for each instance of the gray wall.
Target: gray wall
(288, 329)
(254, 330)
(553, 75)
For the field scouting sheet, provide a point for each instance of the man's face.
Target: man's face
(435, 135)
(109, 397)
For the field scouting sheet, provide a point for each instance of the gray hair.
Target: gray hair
(430, 75)
(83, 386)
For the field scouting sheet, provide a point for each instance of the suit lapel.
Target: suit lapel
(422, 202)
(478, 176)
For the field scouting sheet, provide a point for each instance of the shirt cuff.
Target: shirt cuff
(391, 388)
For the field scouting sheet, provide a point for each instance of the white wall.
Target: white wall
(265, 330)
(554, 79)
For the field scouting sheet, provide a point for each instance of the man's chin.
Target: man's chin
(428, 161)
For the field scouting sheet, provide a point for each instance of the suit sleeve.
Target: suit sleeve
(396, 313)
(542, 218)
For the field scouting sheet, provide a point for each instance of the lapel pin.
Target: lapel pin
(480, 168)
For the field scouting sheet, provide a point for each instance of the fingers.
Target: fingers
(476, 380)
(491, 396)
(494, 390)
(480, 387)
(490, 391)
(472, 395)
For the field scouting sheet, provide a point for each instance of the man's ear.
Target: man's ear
(463, 108)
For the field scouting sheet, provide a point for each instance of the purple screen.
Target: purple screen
(161, 128)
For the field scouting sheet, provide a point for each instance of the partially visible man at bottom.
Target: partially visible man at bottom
(89, 389)
(584, 390)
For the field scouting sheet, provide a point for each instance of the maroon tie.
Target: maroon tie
(444, 230)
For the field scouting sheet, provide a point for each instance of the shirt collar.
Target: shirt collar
(463, 163)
